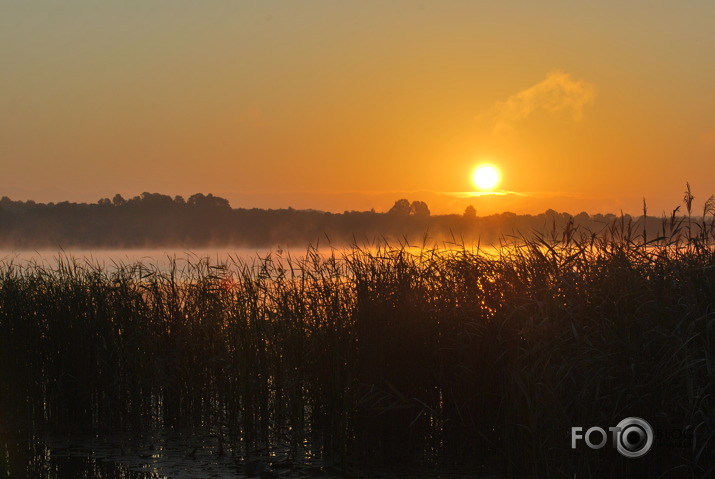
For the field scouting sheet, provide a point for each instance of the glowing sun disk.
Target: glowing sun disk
(486, 177)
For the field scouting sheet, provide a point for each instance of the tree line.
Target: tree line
(205, 220)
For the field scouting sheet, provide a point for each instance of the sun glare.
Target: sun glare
(486, 177)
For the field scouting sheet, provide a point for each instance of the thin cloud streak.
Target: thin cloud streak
(474, 194)
(458, 194)
(523, 194)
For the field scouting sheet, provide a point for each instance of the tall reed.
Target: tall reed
(444, 356)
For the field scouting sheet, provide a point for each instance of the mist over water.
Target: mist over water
(165, 258)
(160, 257)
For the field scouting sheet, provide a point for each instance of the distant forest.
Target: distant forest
(157, 220)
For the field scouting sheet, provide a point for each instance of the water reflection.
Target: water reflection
(167, 454)
(37, 460)
(179, 456)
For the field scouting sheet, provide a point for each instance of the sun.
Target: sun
(486, 177)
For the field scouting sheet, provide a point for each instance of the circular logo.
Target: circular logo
(634, 438)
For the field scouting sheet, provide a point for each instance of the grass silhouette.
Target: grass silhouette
(387, 355)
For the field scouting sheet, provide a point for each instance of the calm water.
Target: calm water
(159, 257)
(176, 455)
(163, 257)
(167, 454)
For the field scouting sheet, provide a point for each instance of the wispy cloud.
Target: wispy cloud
(557, 94)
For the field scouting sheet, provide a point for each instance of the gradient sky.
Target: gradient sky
(352, 105)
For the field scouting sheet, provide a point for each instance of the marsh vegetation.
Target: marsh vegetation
(437, 357)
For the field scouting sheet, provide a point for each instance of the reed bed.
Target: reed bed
(390, 355)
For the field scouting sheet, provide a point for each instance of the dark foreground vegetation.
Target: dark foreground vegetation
(445, 357)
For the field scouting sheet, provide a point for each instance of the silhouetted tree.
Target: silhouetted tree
(470, 212)
(582, 218)
(401, 208)
(118, 200)
(419, 208)
(156, 200)
(208, 201)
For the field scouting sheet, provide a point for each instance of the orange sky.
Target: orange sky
(352, 105)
